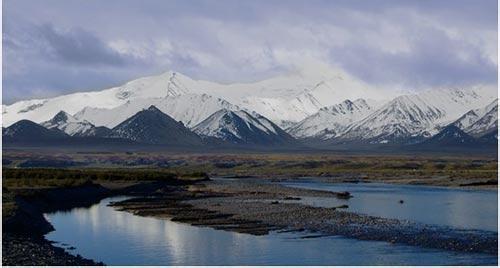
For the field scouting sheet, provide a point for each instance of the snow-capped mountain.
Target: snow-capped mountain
(479, 121)
(418, 115)
(40, 110)
(28, 131)
(286, 98)
(191, 109)
(241, 127)
(328, 122)
(486, 124)
(152, 126)
(293, 97)
(73, 127)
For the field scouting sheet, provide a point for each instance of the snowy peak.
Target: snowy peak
(485, 124)
(241, 127)
(154, 110)
(62, 117)
(191, 109)
(296, 96)
(468, 119)
(347, 107)
(472, 116)
(152, 126)
(329, 121)
(163, 85)
(73, 127)
(479, 121)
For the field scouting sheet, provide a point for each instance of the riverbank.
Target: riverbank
(255, 206)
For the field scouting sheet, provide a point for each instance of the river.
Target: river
(120, 238)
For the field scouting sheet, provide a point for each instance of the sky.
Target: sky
(54, 47)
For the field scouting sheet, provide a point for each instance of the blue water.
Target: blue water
(457, 208)
(120, 238)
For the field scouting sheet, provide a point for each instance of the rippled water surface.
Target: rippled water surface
(113, 237)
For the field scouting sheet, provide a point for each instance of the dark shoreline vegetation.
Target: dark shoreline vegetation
(177, 181)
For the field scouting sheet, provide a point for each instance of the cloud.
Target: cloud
(57, 46)
(419, 53)
(79, 47)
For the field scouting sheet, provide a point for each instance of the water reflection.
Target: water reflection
(120, 238)
(457, 208)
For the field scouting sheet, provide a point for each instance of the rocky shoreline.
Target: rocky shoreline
(18, 249)
(259, 208)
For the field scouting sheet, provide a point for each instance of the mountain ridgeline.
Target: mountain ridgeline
(306, 109)
(153, 127)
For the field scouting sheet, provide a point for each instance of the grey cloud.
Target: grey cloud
(434, 60)
(78, 46)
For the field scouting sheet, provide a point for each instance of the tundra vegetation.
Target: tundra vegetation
(269, 165)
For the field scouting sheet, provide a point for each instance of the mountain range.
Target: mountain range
(302, 107)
